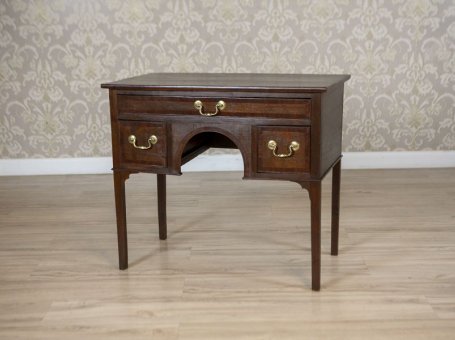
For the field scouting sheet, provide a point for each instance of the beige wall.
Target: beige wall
(54, 55)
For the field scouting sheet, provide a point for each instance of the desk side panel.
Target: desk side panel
(331, 127)
(114, 128)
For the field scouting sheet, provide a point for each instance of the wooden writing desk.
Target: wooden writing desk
(287, 127)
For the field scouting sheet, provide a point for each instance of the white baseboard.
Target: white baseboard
(102, 165)
(55, 166)
(399, 160)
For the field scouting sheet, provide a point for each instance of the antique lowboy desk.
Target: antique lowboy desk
(286, 126)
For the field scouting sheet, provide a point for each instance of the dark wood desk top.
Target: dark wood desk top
(230, 81)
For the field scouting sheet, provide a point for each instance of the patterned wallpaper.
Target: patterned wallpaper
(55, 53)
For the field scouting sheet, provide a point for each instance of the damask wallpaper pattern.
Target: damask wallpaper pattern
(55, 53)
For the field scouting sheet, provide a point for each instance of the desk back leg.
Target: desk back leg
(336, 174)
(120, 208)
(162, 224)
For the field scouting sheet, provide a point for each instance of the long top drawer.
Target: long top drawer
(250, 107)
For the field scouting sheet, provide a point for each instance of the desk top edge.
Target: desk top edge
(230, 81)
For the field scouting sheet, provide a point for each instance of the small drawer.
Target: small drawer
(219, 107)
(143, 143)
(283, 149)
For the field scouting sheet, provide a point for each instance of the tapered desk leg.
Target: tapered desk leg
(336, 174)
(120, 208)
(162, 224)
(315, 197)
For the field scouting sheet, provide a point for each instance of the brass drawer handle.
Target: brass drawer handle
(272, 145)
(152, 141)
(220, 106)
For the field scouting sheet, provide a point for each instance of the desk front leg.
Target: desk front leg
(120, 207)
(315, 197)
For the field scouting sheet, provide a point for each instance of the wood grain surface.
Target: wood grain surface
(240, 107)
(298, 161)
(220, 277)
(230, 81)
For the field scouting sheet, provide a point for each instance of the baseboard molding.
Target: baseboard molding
(102, 165)
(55, 166)
(399, 160)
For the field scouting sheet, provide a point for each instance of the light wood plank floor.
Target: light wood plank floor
(236, 264)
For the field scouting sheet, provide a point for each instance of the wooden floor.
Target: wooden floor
(236, 264)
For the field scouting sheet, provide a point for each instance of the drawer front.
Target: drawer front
(143, 143)
(283, 149)
(248, 107)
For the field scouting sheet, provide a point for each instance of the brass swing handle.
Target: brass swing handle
(151, 141)
(220, 106)
(272, 145)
